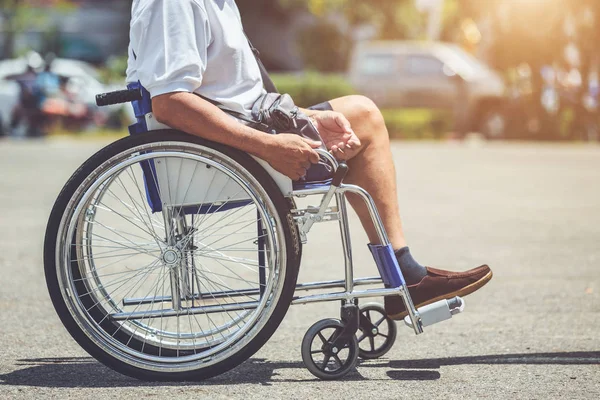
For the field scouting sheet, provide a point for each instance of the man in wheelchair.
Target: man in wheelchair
(185, 48)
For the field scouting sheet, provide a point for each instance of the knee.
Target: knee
(367, 117)
(365, 109)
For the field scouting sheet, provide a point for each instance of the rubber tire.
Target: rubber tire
(307, 341)
(392, 333)
(289, 227)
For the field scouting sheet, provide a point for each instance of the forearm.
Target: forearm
(194, 115)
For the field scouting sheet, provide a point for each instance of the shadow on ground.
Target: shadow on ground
(82, 372)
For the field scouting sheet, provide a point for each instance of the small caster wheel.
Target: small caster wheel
(321, 358)
(377, 332)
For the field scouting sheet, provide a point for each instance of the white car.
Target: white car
(398, 74)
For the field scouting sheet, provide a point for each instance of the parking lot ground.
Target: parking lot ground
(532, 211)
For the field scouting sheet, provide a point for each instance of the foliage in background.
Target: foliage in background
(324, 47)
(114, 69)
(394, 19)
(19, 15)
(312, 88)
(417, 123)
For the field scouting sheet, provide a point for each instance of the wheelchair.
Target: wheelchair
(168, 257)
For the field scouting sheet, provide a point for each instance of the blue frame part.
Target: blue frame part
(303, 185)
(387, 264)
(141, 108)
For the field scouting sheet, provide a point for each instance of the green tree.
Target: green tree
(394, 19)
(20, 15)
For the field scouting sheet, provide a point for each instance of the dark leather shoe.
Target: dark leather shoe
(437, 285)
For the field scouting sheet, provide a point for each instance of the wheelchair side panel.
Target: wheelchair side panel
(283, 182)
(183, 182)
(147, 122)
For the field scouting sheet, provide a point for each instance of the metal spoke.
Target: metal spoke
(122, 281)
(252, 222)
(137, 186)
(150, 225)
(210, 292)
(105, 257)
(109, 209)
(230, 215)
(211, 214)
(241, 241)
(140, 271)
(233, 272)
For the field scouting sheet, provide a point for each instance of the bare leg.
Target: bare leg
(372, 168)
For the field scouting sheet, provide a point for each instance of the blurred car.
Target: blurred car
(83, 81)
(434, 75)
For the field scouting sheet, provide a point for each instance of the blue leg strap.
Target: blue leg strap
(387, 264)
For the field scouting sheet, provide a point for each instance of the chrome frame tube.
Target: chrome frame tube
(346, 243)
(329, 157)
(350, 294)
(347, 296)
(374, 280)
(136, 301)
(413, 314)
(373, 212)
(184, 268)
(174, 270)
(123, 316)
(337, 284)
(384, 240)
(363, 194)
(316, 298)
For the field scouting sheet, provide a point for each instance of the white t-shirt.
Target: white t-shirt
(193, 46)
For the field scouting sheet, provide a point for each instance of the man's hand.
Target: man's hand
(337, 134)
(292, 154)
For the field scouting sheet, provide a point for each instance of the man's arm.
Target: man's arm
(336, 132)
(287, 153)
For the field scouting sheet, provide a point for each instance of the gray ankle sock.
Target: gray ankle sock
(413, 271)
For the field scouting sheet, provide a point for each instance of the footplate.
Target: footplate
(438, 311)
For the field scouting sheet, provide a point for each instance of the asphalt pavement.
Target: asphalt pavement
(531, 211)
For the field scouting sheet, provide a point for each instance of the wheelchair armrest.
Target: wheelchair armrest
(339, 169)
(328, 157)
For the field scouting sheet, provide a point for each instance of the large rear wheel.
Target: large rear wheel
(168, 257)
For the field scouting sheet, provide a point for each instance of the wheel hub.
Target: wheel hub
(171, 256)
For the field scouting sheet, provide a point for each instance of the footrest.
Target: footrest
(438, 311)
